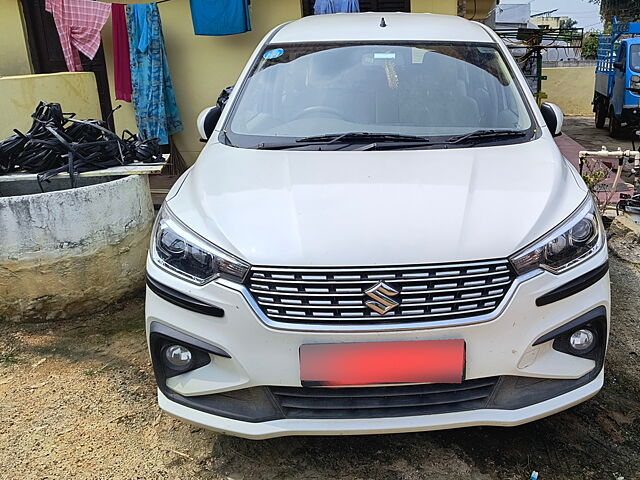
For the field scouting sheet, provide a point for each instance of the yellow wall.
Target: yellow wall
(571, 88)
(14, 56)
(202, 66)
(476, 9)
(448, 7)
(479, 9)
(76, 92)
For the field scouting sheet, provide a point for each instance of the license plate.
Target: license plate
(342, 364)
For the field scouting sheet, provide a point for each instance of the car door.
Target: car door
(619, 80)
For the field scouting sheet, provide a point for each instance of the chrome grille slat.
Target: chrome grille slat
(377, 318)
(498, 264)
(321, 296)
(362, 305)
(375, 278)
(408, 292)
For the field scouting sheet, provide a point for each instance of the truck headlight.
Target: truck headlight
(182, 252)
(570, 243)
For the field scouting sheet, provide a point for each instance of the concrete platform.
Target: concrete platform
(72, 251)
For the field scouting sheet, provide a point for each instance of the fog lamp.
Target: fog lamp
(582, 340)
(178, 356)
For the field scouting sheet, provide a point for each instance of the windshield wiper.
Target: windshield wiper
(486, 134)
(349, 137)
(367, 136)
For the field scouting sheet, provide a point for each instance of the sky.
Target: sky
(587, 14)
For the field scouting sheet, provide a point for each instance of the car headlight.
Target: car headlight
(184, 253)
(573, 241)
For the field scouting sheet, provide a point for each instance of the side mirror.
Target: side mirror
(207, 121)
(618, 65)
(553, 116)
(208, 118)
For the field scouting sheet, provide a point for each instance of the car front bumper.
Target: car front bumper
(260, 355)
(279, 428)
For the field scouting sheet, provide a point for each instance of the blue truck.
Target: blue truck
(617, 87)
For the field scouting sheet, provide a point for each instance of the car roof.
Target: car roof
(352, 27)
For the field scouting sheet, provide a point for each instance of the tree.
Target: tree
(567, 23)
(590, 45)
(624, 10)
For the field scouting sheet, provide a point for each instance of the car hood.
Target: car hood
(330, 208)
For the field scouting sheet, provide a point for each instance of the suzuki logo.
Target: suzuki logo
(381, 293)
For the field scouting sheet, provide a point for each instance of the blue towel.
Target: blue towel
(220, 17)
(154, 100)
(335, 6)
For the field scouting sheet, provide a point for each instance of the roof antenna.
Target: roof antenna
(383, 23)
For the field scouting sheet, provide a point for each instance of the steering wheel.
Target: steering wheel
(319, 109)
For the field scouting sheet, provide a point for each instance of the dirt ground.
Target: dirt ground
(77, 400)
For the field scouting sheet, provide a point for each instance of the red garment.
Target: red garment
(121, 63)
(78, 23)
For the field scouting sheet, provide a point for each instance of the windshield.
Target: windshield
(431, 90)
(634, 58)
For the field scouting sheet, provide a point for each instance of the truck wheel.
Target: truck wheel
(614, 125)
(601, 114)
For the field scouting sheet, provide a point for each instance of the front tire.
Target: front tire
(614, 125)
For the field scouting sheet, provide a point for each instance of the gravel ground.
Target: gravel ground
(77, 400)
(583, 131)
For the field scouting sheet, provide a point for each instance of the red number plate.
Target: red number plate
(424, 361)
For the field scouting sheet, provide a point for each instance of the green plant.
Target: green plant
(7, 359)
(568, 23)
(590, 45)
(592, 179)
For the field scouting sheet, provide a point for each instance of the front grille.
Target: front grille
(377, 402)
(336, 296)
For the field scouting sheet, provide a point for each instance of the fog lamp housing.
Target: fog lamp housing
(582, 341)
(585, 336)
(174, 353)
(178, 357)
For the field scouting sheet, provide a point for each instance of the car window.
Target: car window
(634, 58)
(432, 90)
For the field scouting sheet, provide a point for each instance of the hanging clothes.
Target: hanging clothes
(220, 17)
(154, 100)
(321, 7)
(78, 23)
(121, 63)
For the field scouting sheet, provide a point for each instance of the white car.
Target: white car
(379, 236)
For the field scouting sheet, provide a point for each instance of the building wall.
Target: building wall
(550, 22)
(448, 7)
(19, 96)
(571, 88)
(202, 66)
(14, 55)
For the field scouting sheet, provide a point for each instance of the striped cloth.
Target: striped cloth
(78, 23)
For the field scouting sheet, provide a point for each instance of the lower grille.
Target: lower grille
(377, 402)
